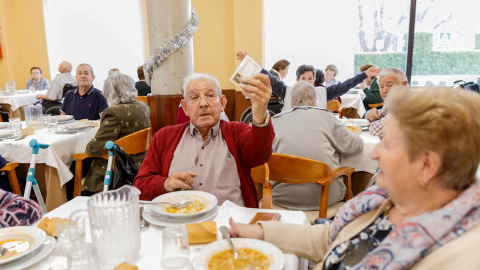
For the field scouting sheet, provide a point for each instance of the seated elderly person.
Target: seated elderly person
(85, 102)
(124, 117)
(209, 154)
(37, 82)
(387, 78)
(17, 211)
(307, 73)
(319, 136)
(423, 213)
(55, 91)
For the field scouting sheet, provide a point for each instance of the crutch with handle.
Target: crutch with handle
(31, 181)
(110, 145)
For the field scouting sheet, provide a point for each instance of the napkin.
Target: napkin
(199, 233)
(49, 225)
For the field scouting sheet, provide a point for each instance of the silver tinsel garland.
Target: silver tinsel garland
(161, 53)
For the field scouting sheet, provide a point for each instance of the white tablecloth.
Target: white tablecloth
(362, 161)
(19, 100)
(151, 239)
(57, 155)
(353, 101)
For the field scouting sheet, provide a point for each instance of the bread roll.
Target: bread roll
(126, 266)
(49, 225)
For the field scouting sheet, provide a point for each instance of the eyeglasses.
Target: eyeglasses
(209, 98)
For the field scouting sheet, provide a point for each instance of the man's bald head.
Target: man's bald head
(65, 67)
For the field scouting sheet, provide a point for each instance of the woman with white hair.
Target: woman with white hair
(124, 116)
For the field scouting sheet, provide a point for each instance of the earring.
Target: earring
(423, 185)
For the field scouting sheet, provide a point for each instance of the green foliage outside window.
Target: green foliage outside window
(425, 60)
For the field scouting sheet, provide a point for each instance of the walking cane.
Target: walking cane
(108, 174)
(31, 181)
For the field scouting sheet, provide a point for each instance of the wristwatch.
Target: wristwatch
(267, 121)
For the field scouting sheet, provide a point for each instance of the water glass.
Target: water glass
(16, 123)
(175, 248)
(52, 124)
(10, 86)
(83, 257)
(31, 88)
(68, 235)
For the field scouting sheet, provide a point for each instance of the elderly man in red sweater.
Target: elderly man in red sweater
(209, 154)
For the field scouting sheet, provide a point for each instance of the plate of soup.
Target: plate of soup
(258, 254)
(20, 241)
(201, 203)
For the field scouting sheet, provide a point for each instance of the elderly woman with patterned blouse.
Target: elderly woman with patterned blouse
(124, 116)
(424, 212)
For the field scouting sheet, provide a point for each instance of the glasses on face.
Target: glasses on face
(209, 98)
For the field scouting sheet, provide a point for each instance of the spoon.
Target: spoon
(2, 251)
(238, 263)
(178, 205)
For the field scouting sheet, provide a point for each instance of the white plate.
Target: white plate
(274, 254)
(4, 125)
(34, 235)
(75, 126)
(62, 118)
(208, 199)
(355, 122)
(162, 220)
(6, 133)
(41, 253)
(25, 91)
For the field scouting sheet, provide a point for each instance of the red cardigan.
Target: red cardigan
(250, 146)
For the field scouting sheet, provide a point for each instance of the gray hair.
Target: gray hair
(303, 94)
(114, 71)
(200, 76)
(84, 64)
(119, 88)
(398, 73)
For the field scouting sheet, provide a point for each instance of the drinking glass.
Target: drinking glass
(83, 257)
(52, 124)
(175, 248)
(68, 235)
(16, 123)
(31, 88)
(10, 86)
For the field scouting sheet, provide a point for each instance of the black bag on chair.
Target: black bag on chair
(125, 169)
(472, 86)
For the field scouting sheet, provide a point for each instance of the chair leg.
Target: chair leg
(347, 180)
(322, 212)
(12, 177)
(77, 185)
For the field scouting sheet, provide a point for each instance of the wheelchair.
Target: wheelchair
(275, 105)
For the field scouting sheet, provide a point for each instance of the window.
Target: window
(352, 33)
(105, 34)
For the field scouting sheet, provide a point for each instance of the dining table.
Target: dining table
(151, 238)
(353, 99)
(55, 160)
(13, 102)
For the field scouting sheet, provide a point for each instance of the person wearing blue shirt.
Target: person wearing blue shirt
(85, 102)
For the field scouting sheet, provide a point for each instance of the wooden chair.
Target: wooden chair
(134, 143)
(143, 99)
(375, 105)
(260, 175)
(12, 177)
(334, 106)
(298, 170)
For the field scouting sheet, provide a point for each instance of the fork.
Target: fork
(143, 223)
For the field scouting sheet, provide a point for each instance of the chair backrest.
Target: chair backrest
(67, 87)
(335, 106)
(137, 142)
(261, 177)
(296, 170)
(375, 105)
(143, 99)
